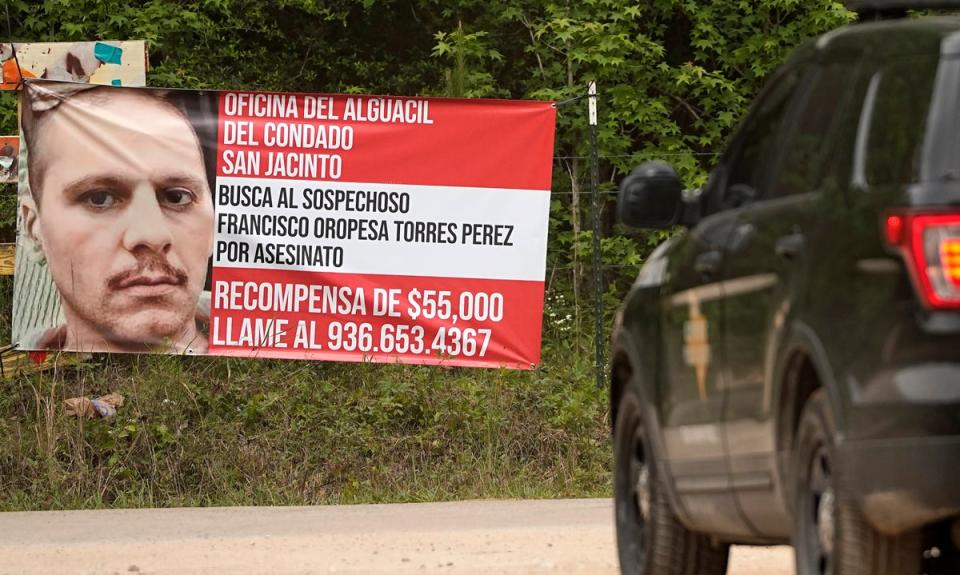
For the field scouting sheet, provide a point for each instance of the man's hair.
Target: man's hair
(44, 100)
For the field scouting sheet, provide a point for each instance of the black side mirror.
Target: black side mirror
(740, 194)
(651, 197)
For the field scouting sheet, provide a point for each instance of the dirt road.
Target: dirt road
(474, 537)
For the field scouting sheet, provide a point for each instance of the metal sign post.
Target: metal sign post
(597, 259)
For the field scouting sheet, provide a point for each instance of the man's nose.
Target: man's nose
(146, 227)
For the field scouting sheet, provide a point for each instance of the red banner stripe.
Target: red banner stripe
(490, 323)
(475, 143)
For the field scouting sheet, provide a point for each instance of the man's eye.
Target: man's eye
(176, 196)
(100, 199)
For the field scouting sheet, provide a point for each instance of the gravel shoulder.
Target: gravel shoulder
(470, 537)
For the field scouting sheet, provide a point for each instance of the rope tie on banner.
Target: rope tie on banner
(586, 94)
(569, 100)
(13, 49)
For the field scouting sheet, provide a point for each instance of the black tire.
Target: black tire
(830, 534)
(652, 541)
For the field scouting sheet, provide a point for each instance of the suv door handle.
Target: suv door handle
(708, 263)
(741, 237)
(791, 246)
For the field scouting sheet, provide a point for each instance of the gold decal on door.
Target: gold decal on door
(696, 349)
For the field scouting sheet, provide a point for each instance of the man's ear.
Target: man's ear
(30, 225)
(213, 234)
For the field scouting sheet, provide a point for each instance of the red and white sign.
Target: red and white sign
(355, 228)
(382, 229)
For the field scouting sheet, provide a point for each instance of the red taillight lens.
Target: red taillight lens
(931, 244)
(894, 229)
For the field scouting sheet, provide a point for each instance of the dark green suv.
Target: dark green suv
(787, 369)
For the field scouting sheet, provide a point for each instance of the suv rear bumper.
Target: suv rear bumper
(904, 483)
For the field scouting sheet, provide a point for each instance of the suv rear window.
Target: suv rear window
(805, 152)
(896, 107)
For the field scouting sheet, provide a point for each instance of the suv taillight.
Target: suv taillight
(931, 245)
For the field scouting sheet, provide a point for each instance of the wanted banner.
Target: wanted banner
(300, 226)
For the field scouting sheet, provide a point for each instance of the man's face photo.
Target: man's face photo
(123, 214)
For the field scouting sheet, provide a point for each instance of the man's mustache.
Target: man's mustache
(150, 270)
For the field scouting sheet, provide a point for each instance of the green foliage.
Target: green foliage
(461, 47)
(675, 75)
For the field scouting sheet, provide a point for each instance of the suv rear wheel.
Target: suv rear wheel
(831, 537)
(650, 539)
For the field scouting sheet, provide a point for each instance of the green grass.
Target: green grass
(219, 431)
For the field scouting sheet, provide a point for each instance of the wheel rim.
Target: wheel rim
(640, 480)
(635, 496)
(643, 492)
(820, 505)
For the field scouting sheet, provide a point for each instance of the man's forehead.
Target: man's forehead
(126, 128)
(92, 115)
(122, 139)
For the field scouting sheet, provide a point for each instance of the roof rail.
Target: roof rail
(887, 9)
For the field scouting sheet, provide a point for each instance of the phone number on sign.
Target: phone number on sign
(401, 339)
